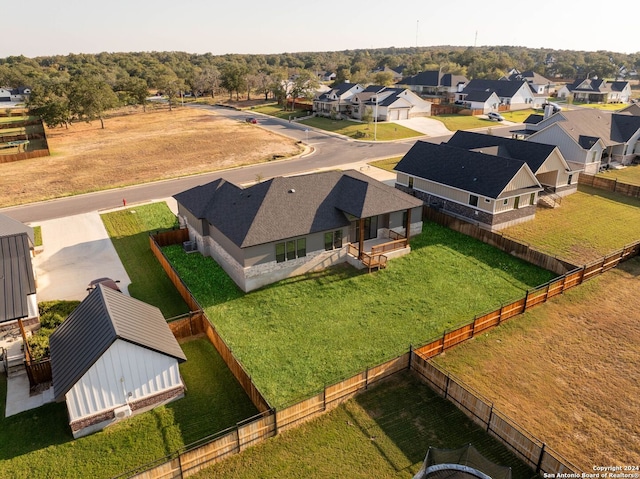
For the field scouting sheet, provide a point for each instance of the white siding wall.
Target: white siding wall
(451, 194)
(522, 179)
(145, 372)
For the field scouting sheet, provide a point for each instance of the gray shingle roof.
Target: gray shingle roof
(104, 316)
(478, 173)
(288, 207)
(16, 277)
(533, 154)
(504, 89)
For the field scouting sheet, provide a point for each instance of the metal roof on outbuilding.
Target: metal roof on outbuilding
(16, 277)
(103, 317)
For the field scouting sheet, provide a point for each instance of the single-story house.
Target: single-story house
(597, 91)
(336, 101)
(589, 139)
(395, 75)
(14, 94)
(289, 226)
(515, 95)
(113, 357)
(546, 161)
(17, 277)
(389, 104)
(488, 190)
(435, 83)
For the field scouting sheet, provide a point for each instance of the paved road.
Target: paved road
(327, 150)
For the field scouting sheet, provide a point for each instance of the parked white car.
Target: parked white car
(493, 116)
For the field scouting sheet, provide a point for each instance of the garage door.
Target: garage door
(403, 115)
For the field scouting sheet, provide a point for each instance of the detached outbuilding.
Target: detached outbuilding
(113, 357)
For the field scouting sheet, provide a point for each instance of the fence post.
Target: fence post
(444, 336)
(526, 298)
(180, 465)
(366, 378)
(539, 465)
(490, 417)
(446, 387)
(410, 357)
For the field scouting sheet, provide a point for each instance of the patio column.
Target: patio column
(408, 225)
(361, 238)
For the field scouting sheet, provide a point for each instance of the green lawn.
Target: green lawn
(38, 443)
(129, 231)
(518, 116)
(630, 175)
(277, 111)
(464, 122)
(387, 164)
(300, 334)
(602, 106)
(588, 225)
(382, 433)
(384, 131)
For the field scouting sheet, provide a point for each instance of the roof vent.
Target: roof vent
(292, 190)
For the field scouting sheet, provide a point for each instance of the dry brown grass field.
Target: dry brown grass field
(569, 370)
(135, 148)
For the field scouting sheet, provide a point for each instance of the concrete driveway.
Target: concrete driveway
(427, 126)
(77, 249)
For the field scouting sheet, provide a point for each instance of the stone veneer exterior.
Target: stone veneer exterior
(483, 219)
(96, 422)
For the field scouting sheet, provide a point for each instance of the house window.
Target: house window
(291, 249)
(593, 156)
(505, 202)
(333, 240)
(411, 182)
(473, 200)
(569, 179)
(516, 203)
(487, 200)
(532, 199)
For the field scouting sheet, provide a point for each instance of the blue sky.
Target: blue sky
(48, 27)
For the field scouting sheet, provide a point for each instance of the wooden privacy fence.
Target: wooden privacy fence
(609, 184)
(528, 448)
(271, 422)
(198, 321)
(38, 372)
(23, 156)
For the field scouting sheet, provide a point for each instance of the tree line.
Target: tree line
(83, 86)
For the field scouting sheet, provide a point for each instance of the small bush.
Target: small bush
(52, 314)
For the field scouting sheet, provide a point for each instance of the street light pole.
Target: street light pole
(375, 121)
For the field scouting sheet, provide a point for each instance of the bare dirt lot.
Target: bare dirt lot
(135, 148)
(569, 370)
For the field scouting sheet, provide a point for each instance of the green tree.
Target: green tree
(90, 97)
(171, 87)
(304, 86)
(49, 100)
(233, 78)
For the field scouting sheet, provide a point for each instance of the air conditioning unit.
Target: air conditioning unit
(190, 246)
(122, 412)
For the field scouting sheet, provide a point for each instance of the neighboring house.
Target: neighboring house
(513, 95)
(336, 101)
(589, 139)
(17, 278)
(545, 161)
(289, 226)
(539, 84)
(491, 191)
(435, 83)
(5, 94)
(597, 91)
(326, 76)
(481, 100)
(14, 94)
(395, 75)
(389, 104)
(113, 357)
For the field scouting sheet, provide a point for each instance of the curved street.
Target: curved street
(327, 150)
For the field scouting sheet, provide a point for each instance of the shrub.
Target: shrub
(52, 314)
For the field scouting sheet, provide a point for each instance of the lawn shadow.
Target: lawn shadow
(489, 258)
(414, 417)
(610, 195)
